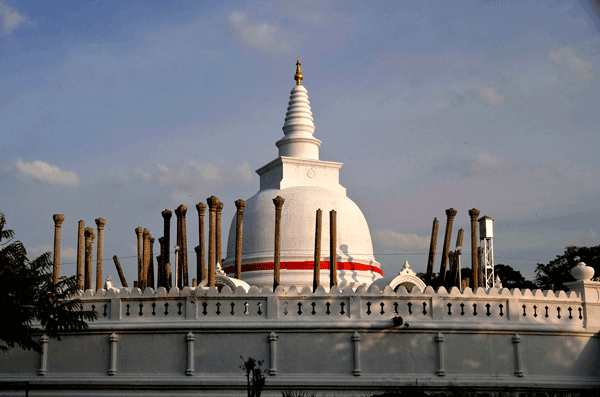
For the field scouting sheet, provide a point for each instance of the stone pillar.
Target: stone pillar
(332, 248)
(278, 201)
(100, 222)
(450, 214)
(182, 271)
(80, 254)
(168, 276)
(145, 259)
(89, 253)
(317, 260)
(160, 264)
(120, 271)
(213, 203)
(218, 246)
(140, 252)
(58, 220)
(201, 263)
(457, 252)
(474, 214)
(239, 205)
(432, 246)
(198, 264)
(166, 214)
(151, 263)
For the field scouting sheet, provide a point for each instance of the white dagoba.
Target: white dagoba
(307, 184)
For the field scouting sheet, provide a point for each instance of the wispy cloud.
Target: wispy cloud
(47, 173)
(66, 254)
(491, 96)
(194, 178)
(566, 55)
(10, 17)
(262, 36)
(401, 241)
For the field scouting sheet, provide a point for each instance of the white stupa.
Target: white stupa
(307, 184)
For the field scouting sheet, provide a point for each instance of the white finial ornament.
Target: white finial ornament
(581, 271)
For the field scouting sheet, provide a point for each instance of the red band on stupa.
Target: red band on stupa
(307, 265)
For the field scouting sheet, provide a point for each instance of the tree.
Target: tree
(30, 301)
(511, 278)
(557, 272)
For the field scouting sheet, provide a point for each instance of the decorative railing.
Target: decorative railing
(468, 307)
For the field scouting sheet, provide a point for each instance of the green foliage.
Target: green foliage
(512, 278)
(254, 375)
(30, 301)
(557, 272)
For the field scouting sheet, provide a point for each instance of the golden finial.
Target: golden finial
(298, 75)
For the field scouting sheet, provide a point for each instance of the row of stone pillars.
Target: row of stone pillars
(179, 276)
(332, 250)
(85, 251)
(451, 277)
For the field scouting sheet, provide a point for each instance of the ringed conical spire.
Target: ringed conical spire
(298, 127)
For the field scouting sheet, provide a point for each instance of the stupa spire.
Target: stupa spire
(298, 127)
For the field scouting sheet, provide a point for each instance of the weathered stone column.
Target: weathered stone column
(317, 259)
(182, 271)
(198, 264)
(201, 263)
(120, 271)
(218, 246)
(58, 220)
(450, 214)
(160, 264)
(146, 259)
(151, 263)
(239, 221)
(100, 222)
(457, 253)
(140, 252)
(278, 201)
(332, 248)
(432, 246)
(213, 203)
(166, 214)
(168, 275)
(89, 253)
(474, 214)
(80, 254)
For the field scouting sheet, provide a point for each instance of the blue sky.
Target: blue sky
(120, 109)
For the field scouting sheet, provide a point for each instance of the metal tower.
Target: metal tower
(486, 238)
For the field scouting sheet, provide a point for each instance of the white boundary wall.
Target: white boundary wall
(189, 342)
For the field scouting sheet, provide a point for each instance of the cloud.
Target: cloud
(491, 96)
(66, 254)
(402, 241)
(262, 36)
(10, 18)
(194, 178)
(566, 55)
(47, 173)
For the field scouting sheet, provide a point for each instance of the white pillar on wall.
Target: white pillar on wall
(44, 357)
(439, 341)
(114, 339)
(273, 347)
(516, 339)
(190, 356)
(356, 339)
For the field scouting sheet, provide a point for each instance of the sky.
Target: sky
(120, 109)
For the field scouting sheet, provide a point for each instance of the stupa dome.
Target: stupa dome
(306, 184)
